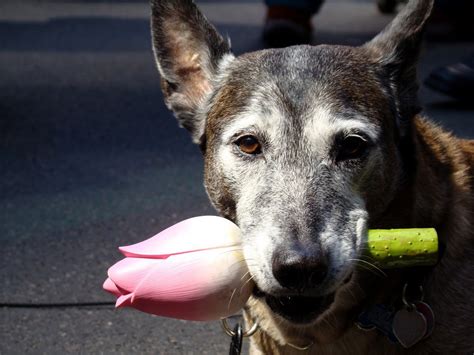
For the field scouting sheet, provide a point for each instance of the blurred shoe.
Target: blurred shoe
(456, 80)
(286, 26)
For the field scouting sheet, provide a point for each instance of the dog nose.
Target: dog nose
(298, 272)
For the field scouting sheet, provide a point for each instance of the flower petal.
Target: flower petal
(129, 272)
(198, 233)
(110, 286)
(124, 300)
(205, 285)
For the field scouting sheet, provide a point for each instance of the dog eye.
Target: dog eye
(352, 147)
(249, 145)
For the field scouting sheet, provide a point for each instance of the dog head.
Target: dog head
(302, 145)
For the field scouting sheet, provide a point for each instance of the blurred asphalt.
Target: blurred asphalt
(90, 159)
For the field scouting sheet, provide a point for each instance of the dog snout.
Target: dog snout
(299, 272)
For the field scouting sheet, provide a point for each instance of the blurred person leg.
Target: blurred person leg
(288, 22)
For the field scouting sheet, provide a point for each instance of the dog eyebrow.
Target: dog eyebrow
(325, 124)
(321, 124)
(354, 126)
(250, 123)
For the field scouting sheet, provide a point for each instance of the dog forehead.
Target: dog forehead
(304, 86)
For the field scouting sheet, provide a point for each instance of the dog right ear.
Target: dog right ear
(397, 49)
(188, 52)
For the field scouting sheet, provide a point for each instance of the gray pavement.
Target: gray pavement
(90, 159)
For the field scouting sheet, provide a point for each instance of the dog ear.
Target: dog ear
(397, 49)
(188, 51)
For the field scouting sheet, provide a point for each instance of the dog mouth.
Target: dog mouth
(296, 308)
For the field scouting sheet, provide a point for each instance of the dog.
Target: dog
(307, 147)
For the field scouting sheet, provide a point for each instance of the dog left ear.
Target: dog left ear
(397, 49)
(188, 52)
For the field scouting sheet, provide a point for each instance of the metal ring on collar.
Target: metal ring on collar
(231, 333)
(404, 300)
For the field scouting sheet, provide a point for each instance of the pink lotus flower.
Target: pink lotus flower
(194, 270)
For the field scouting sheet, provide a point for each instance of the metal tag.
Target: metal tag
(409, 326)
(236, 340)
(427, 311)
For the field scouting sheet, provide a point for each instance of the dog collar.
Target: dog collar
(405, 325)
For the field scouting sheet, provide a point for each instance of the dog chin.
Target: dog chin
(297, 309)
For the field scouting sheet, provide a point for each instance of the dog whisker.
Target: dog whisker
(370, 266)
(231, 297)
(246, 282)
(248, 272)
(231, 250)
(369, 269)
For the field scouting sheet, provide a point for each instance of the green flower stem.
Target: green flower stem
(401, 248)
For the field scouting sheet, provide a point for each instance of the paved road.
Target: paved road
(90, 159)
